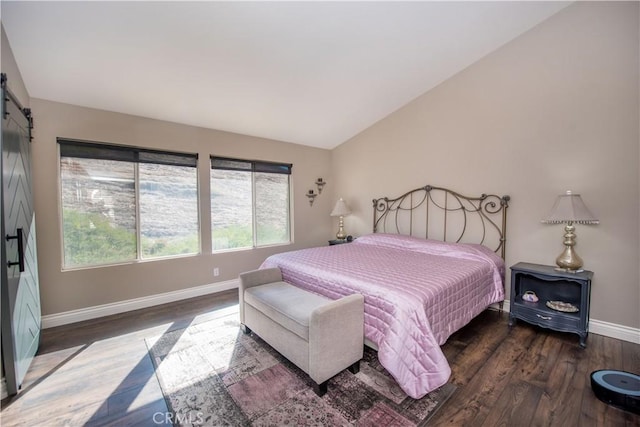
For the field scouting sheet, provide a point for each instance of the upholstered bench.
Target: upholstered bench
(319, 335)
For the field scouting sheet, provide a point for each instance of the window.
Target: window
(121, 204)
(249, 203)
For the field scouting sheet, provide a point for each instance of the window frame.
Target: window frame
(260, 166)
(135, 155)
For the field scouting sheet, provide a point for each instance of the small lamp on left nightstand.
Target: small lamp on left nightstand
(341, 209)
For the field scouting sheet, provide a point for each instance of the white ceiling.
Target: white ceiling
(312, 73)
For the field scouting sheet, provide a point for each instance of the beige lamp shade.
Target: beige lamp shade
(569, 208)
(341, 208)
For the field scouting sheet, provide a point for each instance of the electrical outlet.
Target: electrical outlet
(216, 272)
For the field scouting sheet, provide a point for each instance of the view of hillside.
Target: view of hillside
(99, 210)
(231, 208)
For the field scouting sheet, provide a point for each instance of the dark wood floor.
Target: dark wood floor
(99, 373)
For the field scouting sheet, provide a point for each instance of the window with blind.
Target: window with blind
(122, 204)
(250, 203)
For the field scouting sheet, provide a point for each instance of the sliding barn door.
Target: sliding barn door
(20, 308)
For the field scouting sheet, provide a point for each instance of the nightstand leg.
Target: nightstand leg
(583, 340)
(512, 320)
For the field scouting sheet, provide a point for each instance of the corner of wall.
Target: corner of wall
(10, 68)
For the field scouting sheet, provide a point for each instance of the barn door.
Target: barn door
(20, 308)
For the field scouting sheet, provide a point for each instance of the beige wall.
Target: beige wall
(10, 68)
(64, 291)
(555, 109)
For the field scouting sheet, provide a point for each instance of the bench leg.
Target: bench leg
(245, 329)
(355, 368)
(320, 389)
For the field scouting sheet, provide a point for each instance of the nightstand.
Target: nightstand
(551, 285)
(339, 241)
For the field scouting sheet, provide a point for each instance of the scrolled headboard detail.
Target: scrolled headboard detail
(443, 214)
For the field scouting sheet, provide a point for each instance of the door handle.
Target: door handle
(20, 262)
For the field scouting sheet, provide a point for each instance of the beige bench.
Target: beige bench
(319, 335)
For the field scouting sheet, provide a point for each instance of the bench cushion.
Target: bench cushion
(286, 304)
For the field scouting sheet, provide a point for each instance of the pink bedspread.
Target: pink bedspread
(417, 292)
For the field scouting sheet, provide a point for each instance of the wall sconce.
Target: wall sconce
(311, 195)
(320, 183)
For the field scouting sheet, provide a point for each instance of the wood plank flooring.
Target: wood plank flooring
(98, 372)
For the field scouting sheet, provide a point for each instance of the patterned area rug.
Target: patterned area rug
(212, 374)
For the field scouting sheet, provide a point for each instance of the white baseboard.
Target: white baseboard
(599, 327)
(73, 316)
(612, 330)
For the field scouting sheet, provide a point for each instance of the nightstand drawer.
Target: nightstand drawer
(539, 314)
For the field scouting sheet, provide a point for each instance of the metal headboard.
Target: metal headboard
(443, 214)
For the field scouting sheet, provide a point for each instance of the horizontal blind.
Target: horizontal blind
(224, 163)
(93, 150)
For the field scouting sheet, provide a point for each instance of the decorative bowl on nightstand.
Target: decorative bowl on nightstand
(565, 307)
(530, 296)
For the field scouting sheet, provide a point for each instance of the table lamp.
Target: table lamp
(569, 208)
(341, 209)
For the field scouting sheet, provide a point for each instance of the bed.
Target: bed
(433, 262)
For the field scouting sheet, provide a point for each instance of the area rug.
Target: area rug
(212, 374)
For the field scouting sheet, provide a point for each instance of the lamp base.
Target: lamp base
(566, 270)
(341, 235)
(569, 260)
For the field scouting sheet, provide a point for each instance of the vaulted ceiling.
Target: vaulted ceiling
(312, 73)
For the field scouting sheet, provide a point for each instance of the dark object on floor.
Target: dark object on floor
(617, 388)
